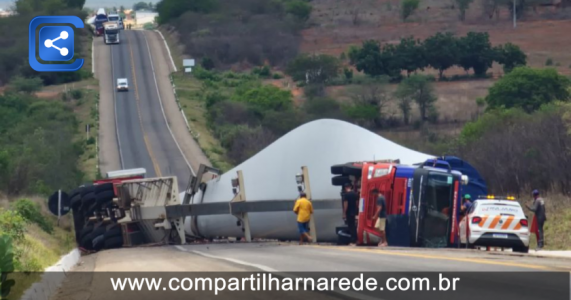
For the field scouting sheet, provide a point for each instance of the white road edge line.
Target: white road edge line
(168, 49)
(115, 109)
(93, 57)
(271, 270)
(161, 103)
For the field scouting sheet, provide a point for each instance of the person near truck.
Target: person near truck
(466, 204)
(381, 222)
(350, 209)
(538, 208)
(304, 209)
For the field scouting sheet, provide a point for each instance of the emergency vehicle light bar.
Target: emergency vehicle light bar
(496, 197)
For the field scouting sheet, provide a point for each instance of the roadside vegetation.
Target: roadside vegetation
(44, 144)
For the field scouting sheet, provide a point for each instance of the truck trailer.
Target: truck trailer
(100, 18)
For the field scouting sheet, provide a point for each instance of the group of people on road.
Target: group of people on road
(537, 207)
(350, 199)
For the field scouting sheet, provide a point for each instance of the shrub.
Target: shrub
(549, 62)
(26, 85)
(76, 94)
(12, 224)
(510, 56)
(529, 89)
(348, 74)
(299, 8)
(313, 68)
(207, 63)
(408, 7)
(31, 211)
(266, 97)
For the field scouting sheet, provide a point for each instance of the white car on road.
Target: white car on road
(122, 84)
(496, 222)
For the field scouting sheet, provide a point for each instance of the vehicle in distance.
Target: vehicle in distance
(122, 84)
(496, 222)
(100, 18)
(111, 33)
(114, 17)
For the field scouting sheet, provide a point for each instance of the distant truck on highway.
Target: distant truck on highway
(97, 25)
(111, 33)
(114, 17)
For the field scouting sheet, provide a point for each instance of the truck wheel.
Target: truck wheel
(340, 180)
(103, 187)
(98, 242)
(75, 201)
(113, 232)
(114, 242)
(86, 190)
(104, 197)
(350, 169)
(85, 231)
(337, 169)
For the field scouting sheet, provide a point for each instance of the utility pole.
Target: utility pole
(514, 12)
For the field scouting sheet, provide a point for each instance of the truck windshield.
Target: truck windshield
(113, 19)
(111, 31)
(439, 194)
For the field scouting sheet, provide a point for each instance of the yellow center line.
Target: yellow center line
(147, 145)
(428, 256)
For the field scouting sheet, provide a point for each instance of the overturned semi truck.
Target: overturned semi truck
(255, 199)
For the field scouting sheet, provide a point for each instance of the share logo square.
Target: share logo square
(56, 43)
(51, 40)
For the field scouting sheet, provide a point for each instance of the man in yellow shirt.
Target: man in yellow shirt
(303, 209)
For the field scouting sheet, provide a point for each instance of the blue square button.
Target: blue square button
(56, 43)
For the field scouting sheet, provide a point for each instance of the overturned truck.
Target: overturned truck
(255, 199)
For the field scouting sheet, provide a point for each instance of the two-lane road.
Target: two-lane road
(144, 139)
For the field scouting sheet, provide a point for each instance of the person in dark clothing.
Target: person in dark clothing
(538, 208)
(381, 219)
(350, 210)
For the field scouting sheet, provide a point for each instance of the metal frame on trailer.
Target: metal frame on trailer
(156, 203)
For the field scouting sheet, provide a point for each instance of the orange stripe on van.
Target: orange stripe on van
(483, 221)
(495, 222)
(517, 227)
(508, 222)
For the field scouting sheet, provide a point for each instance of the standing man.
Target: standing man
(538, 208)
(466, 204)
(350, 200)
(381, 222)
(303, 208)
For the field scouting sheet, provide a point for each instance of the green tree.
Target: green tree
(265, 97)
(171, 9)
(313, 69)
(410, 55)
(26, 85)
(140, 6)
(374, 61)
(420, 89)
(207, 63)
(463, 5)
(442, 51)
(408, 7)
(368, 97)
(510, 56)
(476, 52)
(529, 89)
(299, 8)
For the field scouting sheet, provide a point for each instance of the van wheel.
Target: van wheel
(522, 249)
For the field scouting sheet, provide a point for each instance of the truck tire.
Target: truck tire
(115, 231)
(85, 231)
(103, 187)
(337, 169)
(98, 242)
(340, 180)
(86, 190)
(88, 199)
(114, 242)
(104, 197)
(350, 169)
(75, 192)
(75, 201)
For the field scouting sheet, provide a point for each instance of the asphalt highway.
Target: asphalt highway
(143, 136)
